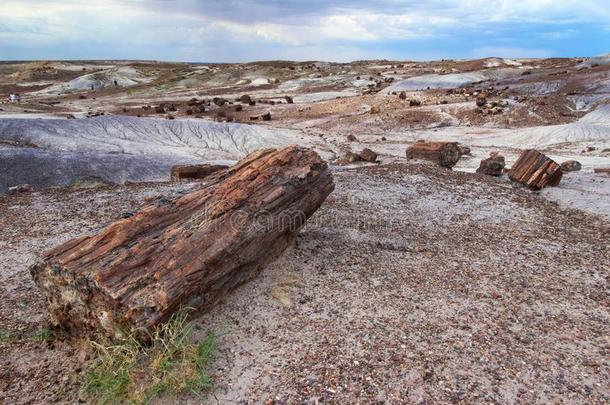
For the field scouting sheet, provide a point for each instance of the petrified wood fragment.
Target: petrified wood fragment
(492, 166)
(182, 172)
(444, 154)
(135, 273)
(534, 170)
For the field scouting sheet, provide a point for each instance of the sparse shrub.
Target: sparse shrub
(171, 365)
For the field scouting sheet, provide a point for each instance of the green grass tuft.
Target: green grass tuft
(42, 335)
(171, 365)
(6, 335)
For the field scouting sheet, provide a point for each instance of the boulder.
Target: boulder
(351, 138)
(288, 99)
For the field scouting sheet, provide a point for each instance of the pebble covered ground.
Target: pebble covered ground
(412, 284)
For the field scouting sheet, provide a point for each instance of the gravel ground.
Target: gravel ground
(412, 284)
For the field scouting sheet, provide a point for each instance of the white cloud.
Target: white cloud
(276, 27)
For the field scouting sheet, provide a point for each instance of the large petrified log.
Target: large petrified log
(444, 154)
(185, 252)
(535, 170)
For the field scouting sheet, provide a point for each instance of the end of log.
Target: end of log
(187, 252)
(535, 170)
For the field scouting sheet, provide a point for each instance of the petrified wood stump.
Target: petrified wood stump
(534, 170)
(444, 154)
(134, 274)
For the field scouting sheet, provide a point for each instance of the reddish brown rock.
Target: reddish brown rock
(182, 172)
(351, 138)
(368, 155)
(186, 252)
(570, 166)
(534, 170)
(444, 154)
(493, 165)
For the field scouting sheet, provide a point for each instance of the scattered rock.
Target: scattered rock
(89, 182)
(570, 166)
(375, 110)
(605, 170)
(481, 101)
(351, 138)
(402, 95)
(465, 150)
(414, 103)
(351, 157)
(288, 99)
(160, 110)
(246, 99)
(368, 155)
(493, 165)
(266, 116)
(219, 101)
(19, 189)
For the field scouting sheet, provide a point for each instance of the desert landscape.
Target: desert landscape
(437, 264)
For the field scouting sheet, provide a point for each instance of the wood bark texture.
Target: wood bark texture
(535, 170)
(190, 251)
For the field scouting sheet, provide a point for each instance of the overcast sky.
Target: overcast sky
(344, 30)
